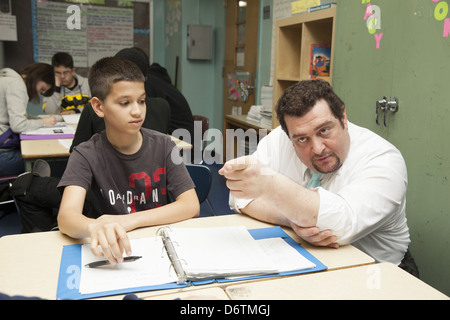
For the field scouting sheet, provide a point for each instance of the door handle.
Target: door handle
(384, 105)
(392, 105)
(380, 106)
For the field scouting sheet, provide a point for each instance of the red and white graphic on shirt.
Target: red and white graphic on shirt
(148, 192)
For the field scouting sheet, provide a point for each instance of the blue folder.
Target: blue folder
(70, 269)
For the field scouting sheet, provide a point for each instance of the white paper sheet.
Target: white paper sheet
(152, 269)
(72, 118)
(285, 257)
(59, 128)
(221, 250)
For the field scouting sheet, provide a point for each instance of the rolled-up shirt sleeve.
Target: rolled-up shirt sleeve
(371, 196)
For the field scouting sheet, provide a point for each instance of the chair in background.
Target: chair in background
(205, 122)
(8, 179)
(201, 175)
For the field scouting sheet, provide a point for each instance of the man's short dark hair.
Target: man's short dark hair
(107, 71)
(62, 59)
(300, 98)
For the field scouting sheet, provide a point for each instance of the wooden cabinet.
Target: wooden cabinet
(294, 36)
(293, 39)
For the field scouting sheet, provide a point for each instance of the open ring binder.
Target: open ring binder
(197, 255)
(172, 254)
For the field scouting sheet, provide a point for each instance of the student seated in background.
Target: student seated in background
(16, 90)
(129, 168)
(159, 84)
(72, 91)
(359, 196)
(36, 194)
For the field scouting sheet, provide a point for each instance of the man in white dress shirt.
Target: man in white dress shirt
(361, 196)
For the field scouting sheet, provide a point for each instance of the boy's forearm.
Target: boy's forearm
(71, 220)
(185, 207)
(74, 227)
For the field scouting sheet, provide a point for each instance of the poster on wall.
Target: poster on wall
(8, 27)
(109, 30)
(52, 35)
(237, 83)
(98, 31)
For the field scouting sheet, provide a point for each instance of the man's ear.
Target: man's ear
(344, 118)
(97, 106)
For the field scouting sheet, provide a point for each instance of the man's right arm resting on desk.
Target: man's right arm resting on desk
(276, 199)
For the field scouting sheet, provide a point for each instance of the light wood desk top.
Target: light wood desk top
(52, 148)
(377, 281)
(30, 262)
(43, 148)
(241, 120)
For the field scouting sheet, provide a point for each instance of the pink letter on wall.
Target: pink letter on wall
(378, 37)
(446, 31)
(368, 12)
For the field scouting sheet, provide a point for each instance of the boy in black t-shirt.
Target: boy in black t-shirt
(130, 169)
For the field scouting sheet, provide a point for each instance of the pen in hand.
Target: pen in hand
(106, 262)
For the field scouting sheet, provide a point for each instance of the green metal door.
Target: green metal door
(401, 49)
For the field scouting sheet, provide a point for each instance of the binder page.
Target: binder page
(284, 256)
(220, 252)
(152, 269)
(59, 128)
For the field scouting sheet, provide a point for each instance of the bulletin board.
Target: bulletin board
(87, 29)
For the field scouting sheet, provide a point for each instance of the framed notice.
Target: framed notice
(8, 27)
(88, 32)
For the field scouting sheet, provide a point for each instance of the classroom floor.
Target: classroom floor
(218, 197)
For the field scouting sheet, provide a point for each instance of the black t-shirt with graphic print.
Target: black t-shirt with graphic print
(128, 183)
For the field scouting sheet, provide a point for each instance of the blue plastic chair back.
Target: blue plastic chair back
(202, 177)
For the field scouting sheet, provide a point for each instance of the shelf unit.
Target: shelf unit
(293, 39)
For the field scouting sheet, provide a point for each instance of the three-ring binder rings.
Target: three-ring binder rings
(179, 257)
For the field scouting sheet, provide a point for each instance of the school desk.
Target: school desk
(383, 281)
(30, 262)
(54, 150)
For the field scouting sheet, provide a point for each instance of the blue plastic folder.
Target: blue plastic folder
(70, 269)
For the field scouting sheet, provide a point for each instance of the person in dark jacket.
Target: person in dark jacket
(159, 84)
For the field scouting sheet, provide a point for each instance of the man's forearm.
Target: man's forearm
(264, 211)
(286, 201)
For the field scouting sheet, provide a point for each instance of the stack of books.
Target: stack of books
(262, 114)
(254, 114)
(266, 109)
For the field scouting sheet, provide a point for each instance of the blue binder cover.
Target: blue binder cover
(70, 269)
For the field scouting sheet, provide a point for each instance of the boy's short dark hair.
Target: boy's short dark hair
(107, 71)
(62, 59)
(300, 98)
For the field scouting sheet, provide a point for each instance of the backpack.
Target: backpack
(38, 200)
(9, 140)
